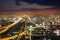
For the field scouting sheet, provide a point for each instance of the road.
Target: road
(6, 28)
(12, 37)
(9, 26)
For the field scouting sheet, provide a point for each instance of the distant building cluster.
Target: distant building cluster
(46, 19)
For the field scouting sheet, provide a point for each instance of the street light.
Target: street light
(0, 25)
(30, 26)
(30, 31)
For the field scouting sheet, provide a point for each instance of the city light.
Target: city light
(30, 27)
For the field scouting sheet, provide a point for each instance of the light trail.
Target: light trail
(12, 37)
(9, 26)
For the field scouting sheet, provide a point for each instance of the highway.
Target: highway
(12, 37)
(6, 28)
(9, 26)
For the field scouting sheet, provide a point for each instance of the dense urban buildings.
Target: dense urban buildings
(29, 27)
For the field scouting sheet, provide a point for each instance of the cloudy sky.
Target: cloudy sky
(23, 5)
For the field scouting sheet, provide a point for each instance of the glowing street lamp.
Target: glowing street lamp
(0, 25)
(30, 31)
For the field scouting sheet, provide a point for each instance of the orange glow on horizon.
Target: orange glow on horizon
(34, 12)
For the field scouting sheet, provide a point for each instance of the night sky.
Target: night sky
(41, 2)
(18, 5)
